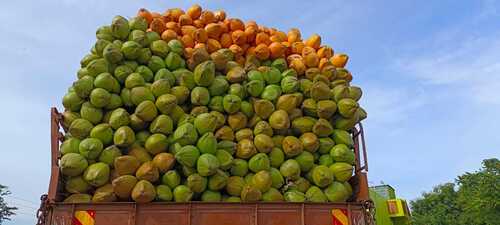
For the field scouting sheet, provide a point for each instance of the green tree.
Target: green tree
(5, 210)
(474, 199)
(479, 194)
(438, 207)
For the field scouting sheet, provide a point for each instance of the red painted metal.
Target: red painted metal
(53, 211)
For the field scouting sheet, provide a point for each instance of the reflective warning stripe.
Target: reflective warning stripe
(340, 217)
(86, 217)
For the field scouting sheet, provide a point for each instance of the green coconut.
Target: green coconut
(97, 174)
(225, 159)
(290, 169)
(217, 181)
(211, 196)
(342, 171)
(305, 160)
(164, 193)
(300, 185)
(262, 180)
(131, 49)
(174, 61)
(259, 162)
(166, 103)
(336, 192)
(292, 146)
(185, 134)
(68, 117)
(90, 148)
(204, 73)
(72, 101)
(104, 194)
(84, 86)
(207, 143)
(73, 164)
(205, 123)
(109, 154)
(75, 185)
(162, 124)
(70, 145)
(342, 137)
(277, 179)
(315, 194)
(325, 145)
(91, 113)
(250, 194)
(219, 86)
(207, 164)
(102, 132)
(294, 196)
(141, 94)
(171, 178)
(124, 136)
(325, 160)
(341, 153)
(197, 183)
(182, 193)
(78, 198)
(235, 185)
(146, 110)
(231, 103)
(322, 176)
(160, 87)
(232, 199)
(272, 195)
(276, 157)
(188, 156)
(239, 167)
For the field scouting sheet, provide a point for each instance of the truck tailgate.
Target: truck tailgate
(199, 213)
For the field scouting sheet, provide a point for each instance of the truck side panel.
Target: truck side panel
(209, 213)
(52, 211)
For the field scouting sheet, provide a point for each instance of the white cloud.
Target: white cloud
(469, 64)
(390, 106)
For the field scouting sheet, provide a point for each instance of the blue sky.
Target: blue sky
(430, 71)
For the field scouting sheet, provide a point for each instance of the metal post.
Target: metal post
(54, 147)
(302, 216)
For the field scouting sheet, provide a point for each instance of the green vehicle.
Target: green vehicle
(389, 210)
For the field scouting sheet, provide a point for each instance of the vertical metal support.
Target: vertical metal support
(361, 168)
(363, 145)
(363, 193)
(349, 215)
(54, 153)
(256, 214)
(355, 138)
(133, 216)
(302, 215)
(72, 212)
(361, 155)
(190, 208)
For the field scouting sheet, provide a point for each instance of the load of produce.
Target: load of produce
(193, 106)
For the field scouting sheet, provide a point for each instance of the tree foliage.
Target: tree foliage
(474, 199)
(5, 210)
(479, 194)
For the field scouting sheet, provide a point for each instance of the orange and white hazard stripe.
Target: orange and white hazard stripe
(84, 217)
(340, 217)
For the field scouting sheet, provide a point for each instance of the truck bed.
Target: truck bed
(354, 212)
(201, 213)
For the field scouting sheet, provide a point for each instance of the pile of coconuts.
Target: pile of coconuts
(194, 106)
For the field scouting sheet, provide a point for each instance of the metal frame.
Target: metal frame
(51, 202)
